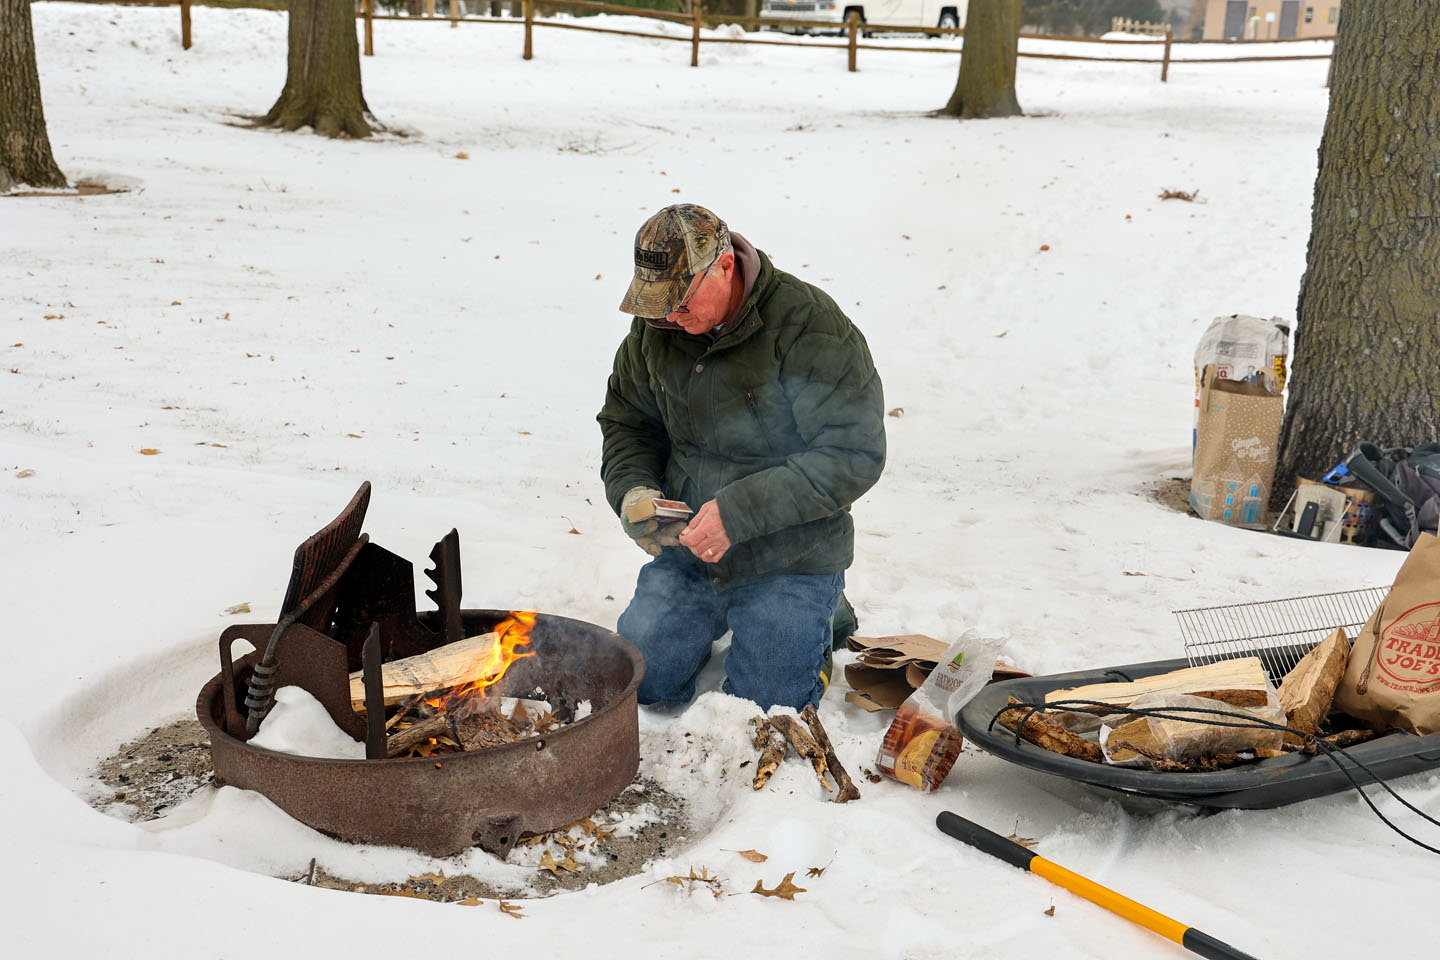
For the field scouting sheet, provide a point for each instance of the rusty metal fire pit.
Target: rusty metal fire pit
(350, 607)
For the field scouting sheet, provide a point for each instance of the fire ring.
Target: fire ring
(356, 612)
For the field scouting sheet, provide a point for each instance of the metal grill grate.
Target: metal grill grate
(1279, 632)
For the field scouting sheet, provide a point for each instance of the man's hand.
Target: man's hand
(650, 534)
(705, 534)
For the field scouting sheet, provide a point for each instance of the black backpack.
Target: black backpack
(1406, 481)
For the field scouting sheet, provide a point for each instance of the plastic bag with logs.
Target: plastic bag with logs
(922, 743)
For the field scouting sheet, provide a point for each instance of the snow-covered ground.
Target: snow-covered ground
(283, 316)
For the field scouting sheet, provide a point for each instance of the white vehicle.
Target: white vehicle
(881, 13)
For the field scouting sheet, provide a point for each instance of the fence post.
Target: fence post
(1165, 66)
(185, 24)
(529, 25)
(852, 24)
(454, 14)
(695, 33)
(369, 28)
(430, 8)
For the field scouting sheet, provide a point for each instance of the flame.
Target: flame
(511, 634)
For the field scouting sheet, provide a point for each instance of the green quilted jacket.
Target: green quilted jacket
(780, 420)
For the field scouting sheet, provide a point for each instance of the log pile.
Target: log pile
(436, 701)
(1183, 736)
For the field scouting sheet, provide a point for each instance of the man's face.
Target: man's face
(707, 302)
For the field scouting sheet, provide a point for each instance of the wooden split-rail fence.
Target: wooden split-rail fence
(852, 31)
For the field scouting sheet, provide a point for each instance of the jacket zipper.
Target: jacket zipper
(759, 424)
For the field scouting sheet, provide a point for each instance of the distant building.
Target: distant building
(1269, 19)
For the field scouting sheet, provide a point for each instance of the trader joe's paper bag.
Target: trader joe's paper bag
(1235, 440)
(1394, 674)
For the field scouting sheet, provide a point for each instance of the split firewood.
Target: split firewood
(772, 746)
(440, 669)
(1239, 682)
(804, 744)
(416, 734)
(1307, 690)
(848, 790)
(1130, 740)
(1044, 732)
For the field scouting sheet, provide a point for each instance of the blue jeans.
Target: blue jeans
(780, 629)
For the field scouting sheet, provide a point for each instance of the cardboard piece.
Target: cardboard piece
(889, 669)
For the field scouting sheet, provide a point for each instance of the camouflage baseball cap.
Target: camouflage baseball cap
(670, 248)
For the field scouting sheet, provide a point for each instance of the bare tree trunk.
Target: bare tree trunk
(322, 81)
(1367, 338)
(25, 156)
(986, 86)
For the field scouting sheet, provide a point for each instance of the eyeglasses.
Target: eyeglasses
(684, 305)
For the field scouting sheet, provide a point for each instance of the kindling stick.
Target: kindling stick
(1016, 855)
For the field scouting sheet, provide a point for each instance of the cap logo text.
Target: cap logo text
(652, 259)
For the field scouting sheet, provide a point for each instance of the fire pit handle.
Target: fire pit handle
(498, 835)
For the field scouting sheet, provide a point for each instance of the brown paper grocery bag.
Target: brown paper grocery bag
(1394, 674)
(1235, 440)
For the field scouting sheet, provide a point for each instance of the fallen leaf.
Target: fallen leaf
(785, 890)
(1044, 247)
(714, 883)
(1001, 334)
(512, 908)
(469, 902)
(815, 872)
(523, 433)
(597, 277)
(27, 472)
(355, 436)
(238, 608)
(174, 303)
(897, 412)
(574, 531)
(1134, 573)
(462, 155)
(1051, 911)
(676, 190)
(54, 316)
(149, 451)
(1023, 841)
(548, 862)
(941, 287)
(754, 856)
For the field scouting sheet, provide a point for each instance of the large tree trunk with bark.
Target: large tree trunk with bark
(322, 82)
(1367, 335)
(25, 156)
(986, 87)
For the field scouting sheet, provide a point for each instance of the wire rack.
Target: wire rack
(1279, 632)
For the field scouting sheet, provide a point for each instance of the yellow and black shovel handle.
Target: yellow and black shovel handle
(1016, 855)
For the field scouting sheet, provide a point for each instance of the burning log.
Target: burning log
(412, 736)
(480, 661)
(804, 744)
(772, 746)
(848, 791)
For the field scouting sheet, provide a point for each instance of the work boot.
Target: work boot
(826, 669)
(843, 625)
